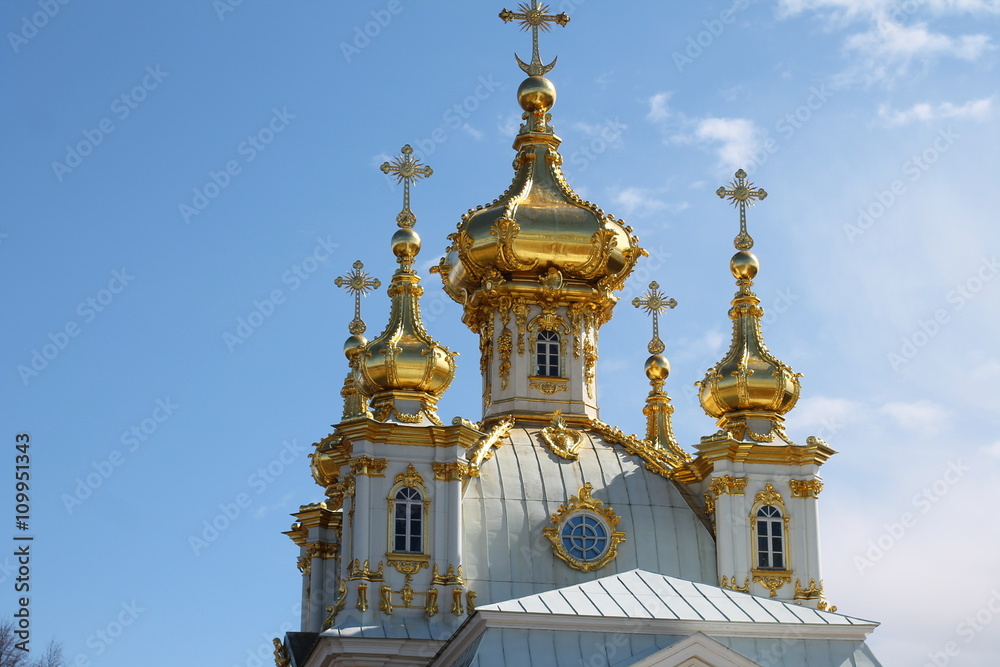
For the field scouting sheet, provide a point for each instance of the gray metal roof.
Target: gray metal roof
(638, 594)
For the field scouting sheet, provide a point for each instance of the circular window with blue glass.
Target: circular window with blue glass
(584, 536)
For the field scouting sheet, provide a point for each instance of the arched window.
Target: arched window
(770, 538)
(547, 354)
(408, 517)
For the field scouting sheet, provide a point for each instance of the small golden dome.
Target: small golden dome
(404, 370)
(749, 390)
(404, 359)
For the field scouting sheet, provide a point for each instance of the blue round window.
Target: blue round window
(584, 536)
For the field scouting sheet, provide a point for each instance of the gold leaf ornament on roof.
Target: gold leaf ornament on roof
(563, 441)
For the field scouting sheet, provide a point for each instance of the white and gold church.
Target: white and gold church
(538, 535)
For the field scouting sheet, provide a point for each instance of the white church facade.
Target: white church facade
(535, 534)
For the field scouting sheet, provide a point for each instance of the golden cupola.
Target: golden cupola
(539, 231)
(536, 269)
(404, 370)
(749, 390)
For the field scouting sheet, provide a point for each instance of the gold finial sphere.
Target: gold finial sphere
(354, 345)
(657, 368)
(744, 265)
(405, 244)
(536, 93)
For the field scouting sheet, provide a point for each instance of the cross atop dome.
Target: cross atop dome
(742, 194)
(655, 302)
(407, 169)
(359, 283)
(534, 17)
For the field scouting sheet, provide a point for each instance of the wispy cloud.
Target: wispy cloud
(895, 39)
(733, 140)
(889, 49)
(471, 131)
(659, 107)
(981, 110)
(920, 416)
(638, 200)
(992, 450)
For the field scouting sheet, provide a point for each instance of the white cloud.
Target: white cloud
(895, 39)
(921, 416)
(658, 108)
(992, 450)
(735, 139)
(471, 131)
(898, 43)
(634, 200)
(975, 110)
(825, 415)
(848, 10)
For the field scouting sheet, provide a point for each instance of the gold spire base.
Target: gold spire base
(417, 408)
(659, 429)
(753, 425)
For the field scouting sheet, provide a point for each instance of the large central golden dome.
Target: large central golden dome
(539, 231)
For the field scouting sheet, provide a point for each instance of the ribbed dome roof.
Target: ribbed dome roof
(539, 229)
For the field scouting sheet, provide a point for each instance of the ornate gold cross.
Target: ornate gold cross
(358, 283)
(742, 194)
(534, 16)
(655, 302)
(407, 169)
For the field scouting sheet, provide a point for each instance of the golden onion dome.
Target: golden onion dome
(404, 358)
(403, 369)
(749, 390)
(539, 226)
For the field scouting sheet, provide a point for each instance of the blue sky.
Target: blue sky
(176, 169)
